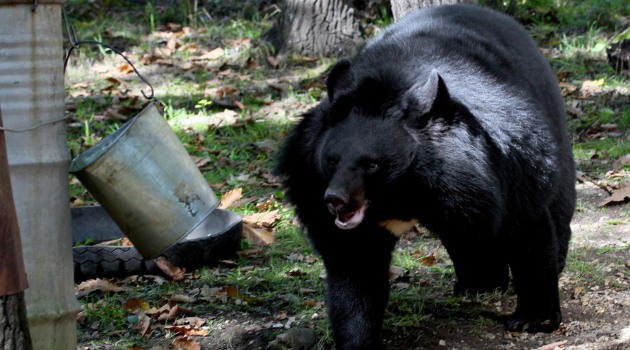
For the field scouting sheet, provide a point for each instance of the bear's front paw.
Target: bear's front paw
(534, 323)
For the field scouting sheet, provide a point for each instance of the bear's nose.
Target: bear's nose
(335, 201)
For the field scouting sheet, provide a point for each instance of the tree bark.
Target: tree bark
(316, 28)
(12, 272)
(402, 7)
(14, 332)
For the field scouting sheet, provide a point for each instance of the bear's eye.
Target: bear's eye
(372, 167)
(331, 162)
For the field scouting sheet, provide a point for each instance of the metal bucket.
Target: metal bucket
(31, 95)
(146, 181)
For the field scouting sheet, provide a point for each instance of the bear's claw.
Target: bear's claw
(534, 324)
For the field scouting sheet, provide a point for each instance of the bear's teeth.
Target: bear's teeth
(351, 220)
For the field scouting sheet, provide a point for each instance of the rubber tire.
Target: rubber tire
(92, 261)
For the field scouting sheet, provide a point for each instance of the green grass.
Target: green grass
(615, 147)
(585, 269)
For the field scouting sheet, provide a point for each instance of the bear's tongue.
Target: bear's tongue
(347, 221)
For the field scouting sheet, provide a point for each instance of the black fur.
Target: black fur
(451, 117)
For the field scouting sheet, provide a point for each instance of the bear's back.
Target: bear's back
(488, 61)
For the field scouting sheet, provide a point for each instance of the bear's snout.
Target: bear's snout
(335, 201)
(348, 215)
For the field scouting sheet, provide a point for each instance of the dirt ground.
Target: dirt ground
(595, 295)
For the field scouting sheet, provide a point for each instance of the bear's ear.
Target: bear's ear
(340, 78)
(432, 97)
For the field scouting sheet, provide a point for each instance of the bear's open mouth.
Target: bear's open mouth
(347, 221)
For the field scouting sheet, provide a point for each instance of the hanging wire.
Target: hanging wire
(2, 128)
(75, 43)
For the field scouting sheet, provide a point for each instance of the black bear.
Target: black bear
(452, 118)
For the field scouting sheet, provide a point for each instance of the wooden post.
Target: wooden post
(14, 331)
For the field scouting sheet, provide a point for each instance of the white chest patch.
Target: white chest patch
(398, 227)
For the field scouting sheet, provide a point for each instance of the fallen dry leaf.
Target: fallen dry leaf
(200, 161)
(395, 272)
(173, 272)
(212, 55)
(310, 302)
(222, 294)
(591, 87)
(273, 61)
(144, 324)
(230, 197)
(430, 259)
(226, 91)
(182, 298)
(114, 81)
(136, 347)
(622, 161)
(401, 285)
(125, 68)
(114, 114)
(616, 175)
(266, 145)
(136, 304)
(258, 236)
(186, 343)
(194, 321)
(173, 43)
(618, 196)
(577, 291)
(187, 330)
(98, 284)
(552, 345)
(170, 311)
(250, 252)
(264, 219)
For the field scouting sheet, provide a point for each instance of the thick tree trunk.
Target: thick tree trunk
(14, 333)
(402, 7)
(12, 272)
(316, 28)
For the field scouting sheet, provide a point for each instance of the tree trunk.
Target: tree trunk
(14, 333)
(402, 7)
(316, 28)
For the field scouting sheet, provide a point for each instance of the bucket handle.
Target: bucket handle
(75, 43)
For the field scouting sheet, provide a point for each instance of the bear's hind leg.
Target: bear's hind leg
(534, 261)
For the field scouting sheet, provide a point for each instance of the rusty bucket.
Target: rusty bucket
(146, 181)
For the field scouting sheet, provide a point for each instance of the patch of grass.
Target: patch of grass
(614, 147)
(591, 44)
(585, 269)
(566, 13)
(405, 311)
(105, 312)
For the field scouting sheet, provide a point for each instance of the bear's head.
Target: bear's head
(374, 141)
